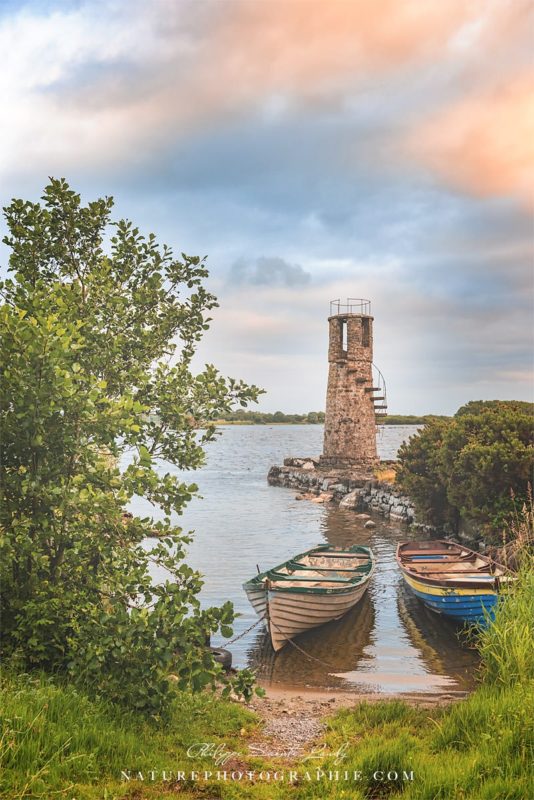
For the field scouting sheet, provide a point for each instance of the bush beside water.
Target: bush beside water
(471, 471)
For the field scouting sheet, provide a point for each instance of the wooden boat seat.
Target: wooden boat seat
(331, 564)
(309, 575)
(438, 569)
(331, 583)
(339, 555)
(323, 570)
(415, 562)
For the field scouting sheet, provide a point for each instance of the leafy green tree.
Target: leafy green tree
(487, 454)
(475, 407)
(99, 325)
(473, 467)
(419, 474)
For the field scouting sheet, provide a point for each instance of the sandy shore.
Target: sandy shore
(294, 718)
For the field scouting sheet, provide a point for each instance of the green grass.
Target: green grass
(55, 742)
(507, 646)
(479, 749)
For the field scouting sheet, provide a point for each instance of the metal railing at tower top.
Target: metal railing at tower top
(353, 305)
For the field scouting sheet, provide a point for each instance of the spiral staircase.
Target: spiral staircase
(378, 394)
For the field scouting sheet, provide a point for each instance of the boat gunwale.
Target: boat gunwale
(295, 565)
(346, 586)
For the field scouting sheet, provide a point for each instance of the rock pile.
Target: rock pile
(306, 476)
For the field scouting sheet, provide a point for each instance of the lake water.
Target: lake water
(388, 644)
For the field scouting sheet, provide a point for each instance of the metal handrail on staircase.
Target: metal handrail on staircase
(379, 385)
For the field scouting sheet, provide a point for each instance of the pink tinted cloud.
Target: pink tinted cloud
(479, 138)
(485, 143)
(252, 50)
(293, 44)
(197, 64)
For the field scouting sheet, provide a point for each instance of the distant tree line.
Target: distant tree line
(409, 419)
(263, 418)
(242, 417)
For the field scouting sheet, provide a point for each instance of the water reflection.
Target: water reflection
(336, 647)
(388, 643)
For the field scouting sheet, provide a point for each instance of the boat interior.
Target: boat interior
(449, 562)
(325, 562)
(312, 574)
(308, 583)
(321, 571)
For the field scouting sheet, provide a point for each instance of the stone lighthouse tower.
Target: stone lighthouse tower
(352, 401)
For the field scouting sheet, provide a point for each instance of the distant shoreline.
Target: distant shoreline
(393, 420)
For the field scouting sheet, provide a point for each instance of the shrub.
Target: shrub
(97, 347)
(470, 468)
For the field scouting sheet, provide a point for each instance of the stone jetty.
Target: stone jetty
(348, 489)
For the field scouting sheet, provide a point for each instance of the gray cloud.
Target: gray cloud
(268, 271)
(205, 139)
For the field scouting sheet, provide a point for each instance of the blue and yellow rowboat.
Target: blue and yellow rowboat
(452, 580)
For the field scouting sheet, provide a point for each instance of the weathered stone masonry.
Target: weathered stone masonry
(344, 473)
(350, 425)
(358, 493)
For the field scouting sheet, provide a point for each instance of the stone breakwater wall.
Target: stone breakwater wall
(352, 491)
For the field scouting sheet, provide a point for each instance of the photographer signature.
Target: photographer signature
(220, 754)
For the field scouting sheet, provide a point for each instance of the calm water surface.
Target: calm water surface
(389, 643)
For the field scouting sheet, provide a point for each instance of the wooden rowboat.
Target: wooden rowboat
(452, 580)
(310, 589)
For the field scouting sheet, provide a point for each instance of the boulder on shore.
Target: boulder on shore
(324, 497)
(351, 500)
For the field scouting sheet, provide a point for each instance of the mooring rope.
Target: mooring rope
(301, 650)
(291, 642)
(244, 633)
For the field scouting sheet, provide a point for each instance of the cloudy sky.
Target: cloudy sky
(313, 149)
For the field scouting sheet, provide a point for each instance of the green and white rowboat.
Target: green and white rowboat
(310, 589)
